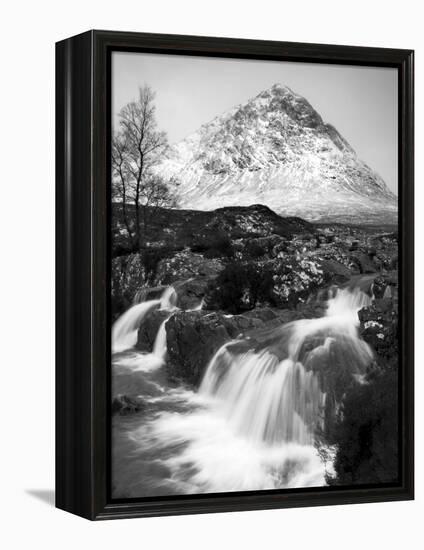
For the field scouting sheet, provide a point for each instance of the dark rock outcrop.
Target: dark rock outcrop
(193, 337)
(190, 293)
(184, 265)
(336, 271)
(379, 328)
(369, 409)
(190, 274)
(149, 328)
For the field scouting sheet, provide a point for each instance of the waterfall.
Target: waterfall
(200, 306)
(159, 347)
(269, 391)
(145, 362)
(168, 296)
(140, 296)
(252, 423)
(168, 300)
(125, 328)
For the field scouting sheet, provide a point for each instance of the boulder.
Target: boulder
(264, 314)
(295, 279)
(190, 293)
(384, 286)
(336, 271)
(149, 328)
(185, 265)
(283, 283)
(379, 328)
(189, 273)
(365, 263)
(193, 338)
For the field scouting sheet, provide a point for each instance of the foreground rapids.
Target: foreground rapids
(251, 424)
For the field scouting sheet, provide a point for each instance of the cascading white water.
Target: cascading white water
(264, 399)
(272, 394)
(146, 362)
(251, 424)
(125, 328)
(168, 300)
(159, 347)
(200, 306)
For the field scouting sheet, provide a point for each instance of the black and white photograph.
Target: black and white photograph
(211, 236)
(254, 275)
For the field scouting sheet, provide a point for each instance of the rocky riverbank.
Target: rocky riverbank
(241, 277)
(245, 269)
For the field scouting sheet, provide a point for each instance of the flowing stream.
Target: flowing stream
(251, 424)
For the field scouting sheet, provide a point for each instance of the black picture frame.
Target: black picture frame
(82, 273)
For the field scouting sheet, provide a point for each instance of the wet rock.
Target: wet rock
(264, 314)
(379, 328)
(365, 263)
(189, 273)
(191, 292)
(149, 328)
(125, 404)
(336, 271)
(311, 310)
(384, 286)
(193, 337)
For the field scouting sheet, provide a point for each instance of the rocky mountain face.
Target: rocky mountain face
(276, 150)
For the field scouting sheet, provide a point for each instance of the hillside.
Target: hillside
(185, 228)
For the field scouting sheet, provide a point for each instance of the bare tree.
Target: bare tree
(137, 148)
(120, 184)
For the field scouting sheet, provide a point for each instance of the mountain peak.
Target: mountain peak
(275, 149)
(276, 89)
(280, 88)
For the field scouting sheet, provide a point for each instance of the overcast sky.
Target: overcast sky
(361, 102)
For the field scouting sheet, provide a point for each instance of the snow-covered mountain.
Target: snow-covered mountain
(276, 150)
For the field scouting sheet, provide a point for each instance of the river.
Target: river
(251, 423)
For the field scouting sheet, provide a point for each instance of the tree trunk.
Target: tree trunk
(125, 218)
(137, 218)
